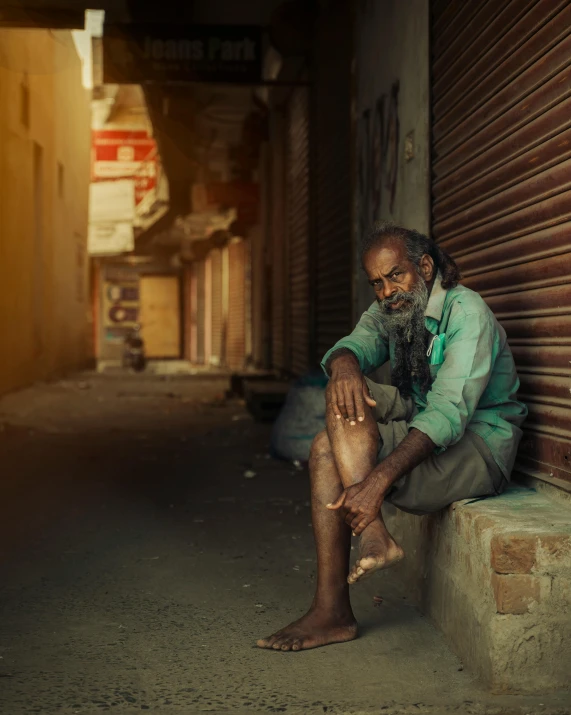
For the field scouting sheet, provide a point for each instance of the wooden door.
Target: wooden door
(160, 316)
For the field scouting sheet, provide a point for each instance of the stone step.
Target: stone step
(495, 575)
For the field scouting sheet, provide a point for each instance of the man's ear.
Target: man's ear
(427, 268)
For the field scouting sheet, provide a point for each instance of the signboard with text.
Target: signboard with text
(141, 52)
(125, 154)
(111, 216)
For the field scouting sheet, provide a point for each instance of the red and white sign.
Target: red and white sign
(125, 154)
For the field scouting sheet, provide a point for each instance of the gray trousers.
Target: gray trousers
(463, 471)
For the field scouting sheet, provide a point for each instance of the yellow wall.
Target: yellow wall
(44, 296)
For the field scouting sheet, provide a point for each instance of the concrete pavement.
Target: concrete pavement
(140, 564)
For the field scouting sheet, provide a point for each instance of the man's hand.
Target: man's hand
(347, 392)
(361, 503)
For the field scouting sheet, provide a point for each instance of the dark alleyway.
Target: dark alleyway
(140, 565)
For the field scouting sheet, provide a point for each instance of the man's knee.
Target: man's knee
(321, 446)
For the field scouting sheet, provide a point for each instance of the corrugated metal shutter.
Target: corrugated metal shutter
(200, 311)
(298, 228)
(216, 259)
(332, 111)
(207, 310)
(190, 313)
(236, 350)
(502, 191)
(278, 243)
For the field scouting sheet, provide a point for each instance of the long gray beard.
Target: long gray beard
(410, 337)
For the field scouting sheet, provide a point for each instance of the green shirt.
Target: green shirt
(475, 382)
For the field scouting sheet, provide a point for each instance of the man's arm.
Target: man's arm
(360, 352)
(368, 342)
(363, 501)
(464, 375)
(347, 392)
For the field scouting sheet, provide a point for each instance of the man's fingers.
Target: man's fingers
(359, 406)
(355, 521)
(360, 528)
(332, 400)
(367, 395)
(341, 402)
(339, 502)
(350, 404)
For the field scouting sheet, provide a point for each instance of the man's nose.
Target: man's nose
(389, 290)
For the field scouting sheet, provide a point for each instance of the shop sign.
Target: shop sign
(125, 154)
(110, 238)
(159, 52)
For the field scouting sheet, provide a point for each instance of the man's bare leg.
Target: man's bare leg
(330, 618)
(355, 452)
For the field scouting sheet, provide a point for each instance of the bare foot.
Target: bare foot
(377, 550)
(313, 630)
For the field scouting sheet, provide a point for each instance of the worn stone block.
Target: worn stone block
(554, 554)
(513, 553)
(515, 592)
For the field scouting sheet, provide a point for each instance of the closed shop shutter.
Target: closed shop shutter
(332, 106)
(501, 84)
(236, 348)
(200, 311)
(216, 260)
(298, 229)
(207, 310)
(279, 275)
(190, 313)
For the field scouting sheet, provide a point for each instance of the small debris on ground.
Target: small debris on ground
(249, 474)
(377, 600)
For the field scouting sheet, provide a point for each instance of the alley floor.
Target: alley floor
(147, 541)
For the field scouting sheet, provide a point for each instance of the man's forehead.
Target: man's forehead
(388, 254)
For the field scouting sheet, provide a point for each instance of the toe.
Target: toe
(286, 645)
(296, 645)
(267, 642)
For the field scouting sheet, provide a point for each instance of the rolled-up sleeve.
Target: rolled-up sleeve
(368, 341)
(461, 380)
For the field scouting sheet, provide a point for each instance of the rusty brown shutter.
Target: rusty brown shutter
(501, 142)
(236, 347)
(190, 313)
(332, 111)
(207, 310)
(278, 242)
(216, 259)
(298, 229)
(200, 311)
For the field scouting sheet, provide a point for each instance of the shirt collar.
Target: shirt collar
(435, 305)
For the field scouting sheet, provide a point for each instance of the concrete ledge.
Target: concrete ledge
(495, 576)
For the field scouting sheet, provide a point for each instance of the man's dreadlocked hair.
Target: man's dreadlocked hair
(417, 245)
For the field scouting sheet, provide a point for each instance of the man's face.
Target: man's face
(395, 279)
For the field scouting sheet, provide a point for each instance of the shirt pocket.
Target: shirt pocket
(435, 353)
